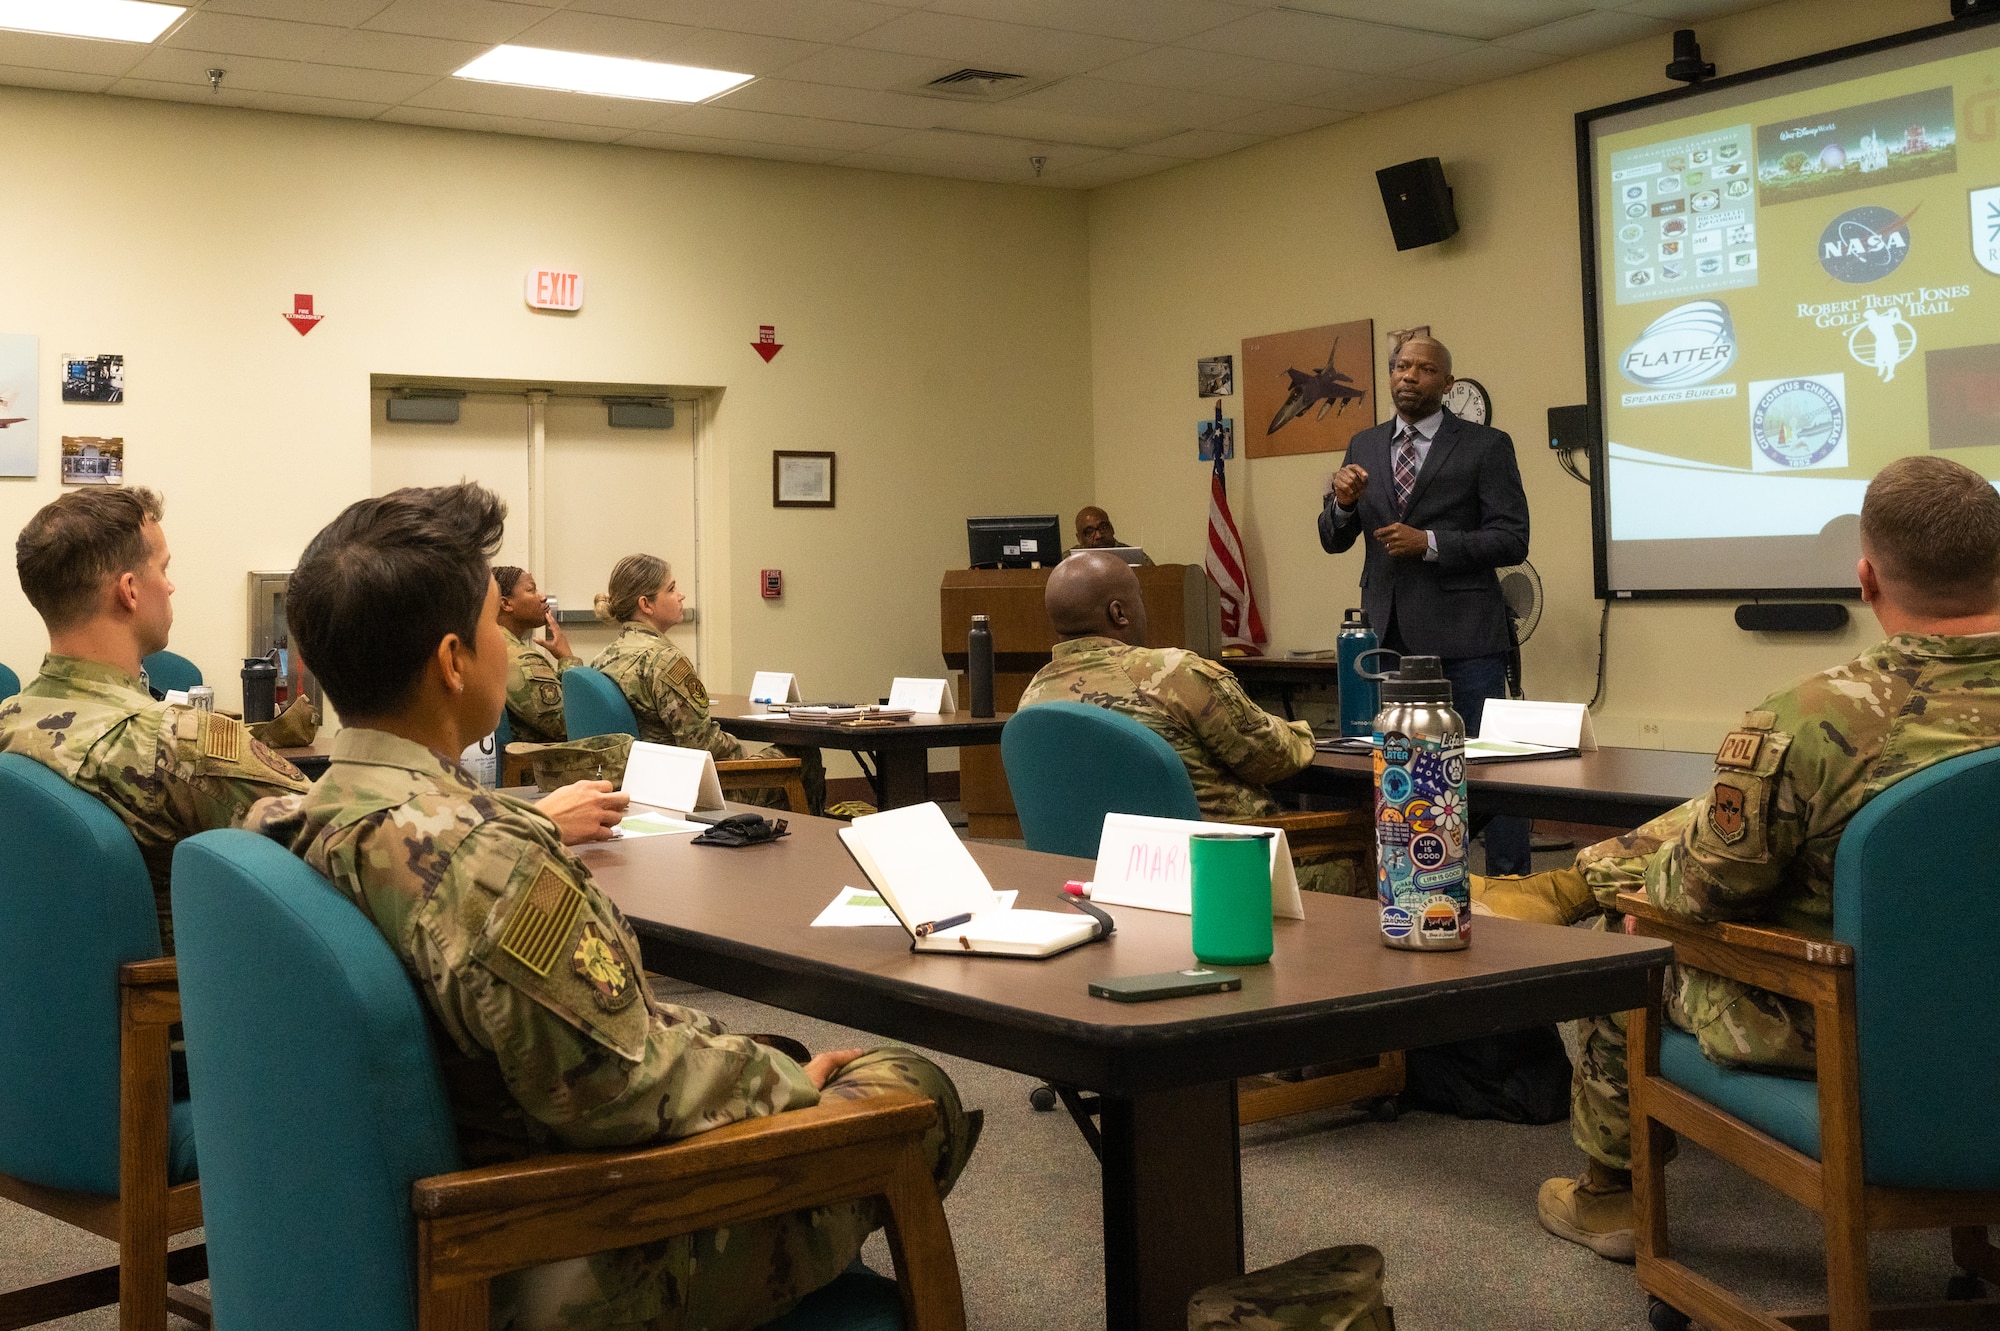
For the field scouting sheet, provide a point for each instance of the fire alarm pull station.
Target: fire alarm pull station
(774, 583)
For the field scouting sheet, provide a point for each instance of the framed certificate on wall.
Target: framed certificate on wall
(801, 480)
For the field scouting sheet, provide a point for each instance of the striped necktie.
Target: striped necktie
(1406, 466)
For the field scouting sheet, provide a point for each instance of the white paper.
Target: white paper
(861, 907)
(928, 696)
(1144, 862)
(666, 777)
(769, 686)
(178, 697)
(653, 822)
(1560, 725)
(916, 860)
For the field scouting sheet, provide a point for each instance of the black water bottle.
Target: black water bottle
(979, 666)
(260, 689)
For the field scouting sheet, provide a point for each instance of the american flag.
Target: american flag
(1241, 624)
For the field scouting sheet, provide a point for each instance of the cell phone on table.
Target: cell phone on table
(1166, 984)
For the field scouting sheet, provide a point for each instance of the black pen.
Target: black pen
(938, 926)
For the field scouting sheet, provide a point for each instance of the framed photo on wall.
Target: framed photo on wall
(801, 480)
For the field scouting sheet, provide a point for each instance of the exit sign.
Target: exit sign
(554, 289)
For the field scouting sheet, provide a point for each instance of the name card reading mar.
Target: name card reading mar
(774, 686)
(931, 697)
(1144, 862)
(666, 777)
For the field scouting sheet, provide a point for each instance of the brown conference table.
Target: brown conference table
(1609, 787)
(901, 750)
(739, 921)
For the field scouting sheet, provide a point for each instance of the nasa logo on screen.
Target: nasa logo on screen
(1986, 227)
(1689, 344)
(1865, 244)
(1798, 423)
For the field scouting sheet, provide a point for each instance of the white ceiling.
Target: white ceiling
(1136, 85)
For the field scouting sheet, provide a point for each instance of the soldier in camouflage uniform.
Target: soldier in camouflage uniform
(1231, 746)
(534, 671)
(549, 1035)
(93, 563)
(1760, 845)
(660, 683)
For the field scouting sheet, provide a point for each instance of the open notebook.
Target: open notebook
(926, 875)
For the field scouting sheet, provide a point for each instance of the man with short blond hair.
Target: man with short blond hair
(94, 566)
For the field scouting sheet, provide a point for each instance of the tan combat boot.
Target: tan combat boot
(1595, 1210)
(1559, 896)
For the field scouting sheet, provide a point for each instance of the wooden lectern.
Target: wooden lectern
(1183, 609)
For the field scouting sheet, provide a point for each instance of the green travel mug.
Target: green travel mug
(1232, 897)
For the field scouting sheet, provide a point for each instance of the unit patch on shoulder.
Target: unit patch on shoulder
(1726, 815)
(598, 964)
(541, 923)
(1739, 750)
(682, 679)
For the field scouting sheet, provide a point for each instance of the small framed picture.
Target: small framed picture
(801, 480)
(1215, 376)
(93, 379)
(1215, 439)
(92, 460)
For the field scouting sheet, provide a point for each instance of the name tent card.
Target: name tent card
(931, 697)
(774, 686)
(1144, 862)
(1515, 727)
(666, 777)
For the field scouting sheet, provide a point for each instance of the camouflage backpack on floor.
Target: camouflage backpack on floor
(1333, 1289)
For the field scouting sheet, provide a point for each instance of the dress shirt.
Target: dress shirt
(1426, 430)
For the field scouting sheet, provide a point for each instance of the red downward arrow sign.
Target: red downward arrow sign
(305, 323)
(767, 349)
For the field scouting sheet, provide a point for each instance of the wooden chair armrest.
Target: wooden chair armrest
(1320, 820)
(741, 766)
(543, 1179)
(1781, 960)
(152, 991)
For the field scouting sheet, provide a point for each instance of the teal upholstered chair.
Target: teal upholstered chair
(1069, 764)
(168, 671)
(1900, 1131)
(334, 1194)
(10, 683)
(89, 1131)
(593, 704)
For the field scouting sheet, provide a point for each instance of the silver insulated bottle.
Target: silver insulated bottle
(1421, 819)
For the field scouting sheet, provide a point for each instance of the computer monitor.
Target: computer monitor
(1018, 542)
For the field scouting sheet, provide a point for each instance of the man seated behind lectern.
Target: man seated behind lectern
(1231, 746)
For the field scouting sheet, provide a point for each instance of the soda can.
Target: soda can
(202, 698)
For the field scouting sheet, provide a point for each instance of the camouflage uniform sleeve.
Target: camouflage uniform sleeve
(534, 692)
(221, 769)
(682, 705)
(551, 987)
(1256, 746)
(1736, 842)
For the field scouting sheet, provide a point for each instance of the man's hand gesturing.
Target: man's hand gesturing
(1349, 484)
(1403, 542)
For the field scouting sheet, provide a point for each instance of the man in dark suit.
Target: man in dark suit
(1439, 502)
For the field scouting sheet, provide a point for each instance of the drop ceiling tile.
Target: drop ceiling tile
(564, 108)
(67, 55)
(721, 122)
(826, 100)
(1587, 32)
(1178, 67)
(1200, 143)
(1059, 127)
(333, 13)
(1136, 20)
(1685, 11)
(603, 34)
(15, 76)
(1483, 19)
(1109, 171)
(1334, 43)
(1012, 47)
(492, 21)
(1482, 65)
(1276, 81)
(929, 166)
(1374, 92)
(254, 74)
(853, 67)
(408, 55)
(244, 100)
(744, 52)
(992, 151)
(1278, 121)
(697, 143)
(441, 118)
(233, 34)
(802, 20)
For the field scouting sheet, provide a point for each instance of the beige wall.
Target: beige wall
(935, 336)
(1291, 235)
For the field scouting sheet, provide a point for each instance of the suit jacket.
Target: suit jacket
(1469, 493)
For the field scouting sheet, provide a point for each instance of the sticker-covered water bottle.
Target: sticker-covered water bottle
(1420, 811)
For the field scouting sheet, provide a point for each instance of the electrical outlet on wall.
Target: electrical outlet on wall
(1652, 735)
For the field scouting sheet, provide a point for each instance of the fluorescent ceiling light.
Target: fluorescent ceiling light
(114, 20)
(606, 76)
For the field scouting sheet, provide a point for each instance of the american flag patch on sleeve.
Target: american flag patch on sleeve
(542, 922)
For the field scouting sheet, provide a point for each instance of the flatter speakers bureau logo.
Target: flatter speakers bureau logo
(1688, 345)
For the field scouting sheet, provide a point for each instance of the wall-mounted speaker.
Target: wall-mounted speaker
(1792, 617)
(1418, 202)
(1571, 428)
